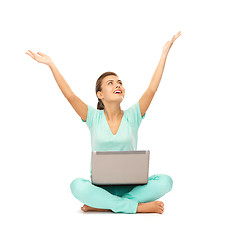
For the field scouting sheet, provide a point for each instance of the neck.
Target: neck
(113, 114)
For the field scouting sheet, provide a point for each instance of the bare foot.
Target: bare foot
(87, 208)
(151, 207)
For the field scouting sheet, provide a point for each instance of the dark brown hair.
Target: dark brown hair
(98, 87)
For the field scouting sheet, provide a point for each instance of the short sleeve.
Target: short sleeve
(134, 114)
(91, 113)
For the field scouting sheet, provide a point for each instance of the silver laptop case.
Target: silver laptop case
(120, 167)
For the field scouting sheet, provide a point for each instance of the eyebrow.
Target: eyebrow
(113, 80)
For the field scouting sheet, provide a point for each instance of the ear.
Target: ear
(99, 95)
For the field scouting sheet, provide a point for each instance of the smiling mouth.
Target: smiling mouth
(118, 92)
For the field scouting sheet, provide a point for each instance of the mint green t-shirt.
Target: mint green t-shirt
(102, 138)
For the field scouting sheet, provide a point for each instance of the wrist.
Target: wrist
(164, 54)
(51, 64)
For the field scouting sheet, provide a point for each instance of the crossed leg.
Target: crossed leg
(97, 197)
(145, 195)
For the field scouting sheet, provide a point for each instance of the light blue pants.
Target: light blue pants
(121, 198)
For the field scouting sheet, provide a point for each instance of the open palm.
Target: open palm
(168, 45)
(41, 57)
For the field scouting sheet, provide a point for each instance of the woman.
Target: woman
(113, 129)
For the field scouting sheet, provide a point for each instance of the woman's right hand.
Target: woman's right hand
(41, 57)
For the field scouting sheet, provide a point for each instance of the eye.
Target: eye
(119, 82)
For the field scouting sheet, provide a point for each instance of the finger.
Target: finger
(29, 54)
(178, 34)
(41, 54)
(173, 38)
(34, 56)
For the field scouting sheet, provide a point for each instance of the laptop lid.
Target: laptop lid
(120, 167)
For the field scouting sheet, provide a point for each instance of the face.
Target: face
(110, 84)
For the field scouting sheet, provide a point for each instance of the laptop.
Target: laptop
(120, 167)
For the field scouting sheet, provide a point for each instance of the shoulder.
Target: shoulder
(92, 116)
(133, 114)
(91, 112)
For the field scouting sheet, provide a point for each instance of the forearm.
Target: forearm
(158, 73)
(63, 85)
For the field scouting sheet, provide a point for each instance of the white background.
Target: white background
(45, 145)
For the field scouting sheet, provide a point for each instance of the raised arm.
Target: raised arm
(63, 85)
(147, 97)
(79, 106)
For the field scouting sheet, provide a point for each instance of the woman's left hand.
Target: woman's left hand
(168, 45)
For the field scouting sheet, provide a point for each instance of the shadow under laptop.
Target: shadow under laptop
(118, 190)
